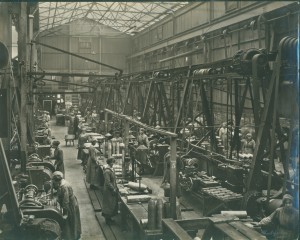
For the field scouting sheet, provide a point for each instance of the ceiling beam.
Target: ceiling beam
(70, 19)
(89, 10)
(67, 10)
(49, 14)
(54, 14)
(163, 13)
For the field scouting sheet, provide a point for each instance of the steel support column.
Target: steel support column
(22, 56)
(148, 99)
(208, 116)
(173, 176)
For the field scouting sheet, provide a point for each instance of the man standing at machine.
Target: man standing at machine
(142, 150)
(59, 157)
(82, 139)
(91, 168)
(68, 202)
(110, 192)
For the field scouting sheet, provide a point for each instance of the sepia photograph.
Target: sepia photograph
(149, 120)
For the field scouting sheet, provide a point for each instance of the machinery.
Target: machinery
(32, 208)
(260, 85)
(253, 175)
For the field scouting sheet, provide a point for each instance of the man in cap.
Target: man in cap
(68, 202)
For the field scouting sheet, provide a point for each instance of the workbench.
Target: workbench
(132, 214)
(213, 227)
(214, 199)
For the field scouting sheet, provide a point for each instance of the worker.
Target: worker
(248, 144)
(110, 192)
(75, 126)
(45, 117)
(94, 120)
(47, 140)
(285, 220)
(167, 166)
(48, 117)
(142, 151)
(142, 138)
(91, 170)
(117, 137)
(58, 156)
(87, 117)
(82, 139)
(71, 229)
(47, 131)
(56, 109)
(223, 134)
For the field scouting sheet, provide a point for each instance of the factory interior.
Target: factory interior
(149, 120)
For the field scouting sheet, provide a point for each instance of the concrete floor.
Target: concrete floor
(74, 174)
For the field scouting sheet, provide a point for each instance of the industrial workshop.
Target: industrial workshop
(149, 120)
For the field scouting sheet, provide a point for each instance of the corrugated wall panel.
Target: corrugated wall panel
(57, 41)
(233, 50)
(248, 45)
(153, 36)
(95, 45)
(178, 24)
(218, 54)
(249, 35)
(180, 62)
(114, 59)
(80, 64)
(235, 37)
(197, 58)
(218, 9)
(55, 61)
(168, 29)
(74, 44)
(115, 45)
(200, 15)
(247, 3)
(187, 23)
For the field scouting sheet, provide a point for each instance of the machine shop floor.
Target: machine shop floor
(91, 219)
(74, 174)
